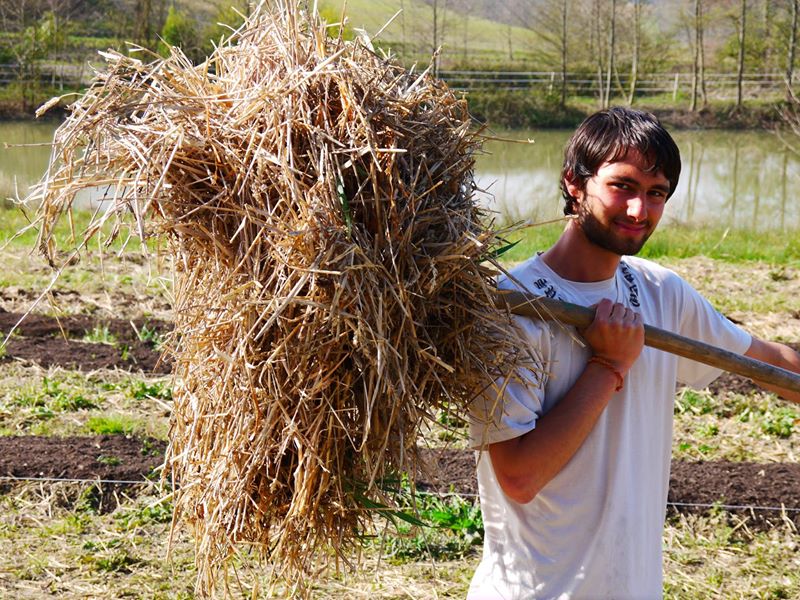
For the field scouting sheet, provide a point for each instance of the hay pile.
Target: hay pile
(331, 290)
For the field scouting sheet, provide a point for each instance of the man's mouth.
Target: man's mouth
(632, 227)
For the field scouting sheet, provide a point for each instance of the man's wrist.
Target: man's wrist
(612, 368)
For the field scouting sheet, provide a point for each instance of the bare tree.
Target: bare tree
(612, 40)
(767, 22)
(439, 7)
(550, 21)
(697, 71)
(792, 48)
(466, 7)
(563, 43)
(600, 47)
(740, 68)
(637, 28)
(143, 33)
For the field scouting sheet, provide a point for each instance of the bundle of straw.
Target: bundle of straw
(333, 272)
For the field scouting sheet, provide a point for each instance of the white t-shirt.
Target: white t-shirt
(595, 530)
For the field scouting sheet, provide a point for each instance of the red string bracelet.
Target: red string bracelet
(604, 363)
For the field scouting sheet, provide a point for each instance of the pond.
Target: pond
(741, 180)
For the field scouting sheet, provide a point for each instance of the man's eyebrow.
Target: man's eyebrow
(659, 186)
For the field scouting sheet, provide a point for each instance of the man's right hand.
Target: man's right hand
(616, 335)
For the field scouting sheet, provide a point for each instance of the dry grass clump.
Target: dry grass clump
(332, 288)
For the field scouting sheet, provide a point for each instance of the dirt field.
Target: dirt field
(48, 342)
(735, 449)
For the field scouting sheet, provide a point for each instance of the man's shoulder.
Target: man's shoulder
(520, 276)
(651, 270)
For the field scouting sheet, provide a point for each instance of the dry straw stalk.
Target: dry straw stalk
(333, 273)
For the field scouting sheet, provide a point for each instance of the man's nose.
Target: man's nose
(637, 208)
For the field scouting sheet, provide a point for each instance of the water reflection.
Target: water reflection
(24, 154)
(731, 179)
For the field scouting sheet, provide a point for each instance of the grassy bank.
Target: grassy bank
(676, 242)
(671, 242)
(517, 109)
(511, 109)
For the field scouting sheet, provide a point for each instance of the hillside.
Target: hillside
(464, 35)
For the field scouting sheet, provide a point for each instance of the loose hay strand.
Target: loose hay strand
(333, 273)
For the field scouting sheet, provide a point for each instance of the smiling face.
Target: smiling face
(620, 206)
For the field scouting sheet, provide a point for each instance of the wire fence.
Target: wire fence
(57, 74)
(65, 74)
(721, 85)
(714, 505)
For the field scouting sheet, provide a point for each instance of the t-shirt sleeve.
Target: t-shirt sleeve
(510, 406)
(701, 321)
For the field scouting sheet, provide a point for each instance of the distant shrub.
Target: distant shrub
(521, 109)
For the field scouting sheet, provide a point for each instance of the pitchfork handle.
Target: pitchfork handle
(541, 307)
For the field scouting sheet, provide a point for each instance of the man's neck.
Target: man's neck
(575, 258)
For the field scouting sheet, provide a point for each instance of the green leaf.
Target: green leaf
(348, 217)
(503, 249)
(391, 513)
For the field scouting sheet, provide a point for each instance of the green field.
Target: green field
(465, 39)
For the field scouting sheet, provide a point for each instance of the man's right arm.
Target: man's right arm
(525, 464)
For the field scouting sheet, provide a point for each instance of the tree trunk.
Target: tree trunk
(612, 38)
(465, 39)
(703, 93)
(402, 28)
(767, 36)
(564, 40)
(143, 26)
(740, 70)
(792, 46)
(599, 52)
(435, 44)
(637, 24)
(696, 57)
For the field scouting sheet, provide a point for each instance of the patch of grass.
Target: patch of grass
(88, 501)
(695, 402)
(52, 396)
(112, 425)
(453, 527)
(150, 335)
(140, 390)
(756, 427)
(70, 524)
(780, 422)
(718, 555)
(119, 561)
(140, 516)
(100, 335)
(111, 461)
(677, 241)
(58, 402)
(14, 220)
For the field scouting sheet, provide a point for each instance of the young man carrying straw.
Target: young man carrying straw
(574, 471)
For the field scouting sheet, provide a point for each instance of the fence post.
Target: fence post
(675, 88)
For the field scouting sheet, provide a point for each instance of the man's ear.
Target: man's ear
(573, 189)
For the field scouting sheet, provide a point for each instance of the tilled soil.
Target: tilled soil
(48, 341)
(117, 462)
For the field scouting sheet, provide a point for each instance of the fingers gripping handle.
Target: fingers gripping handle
(541, 307)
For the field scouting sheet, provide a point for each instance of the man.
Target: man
(574, 471)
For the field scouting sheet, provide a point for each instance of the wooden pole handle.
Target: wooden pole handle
(541, 307)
